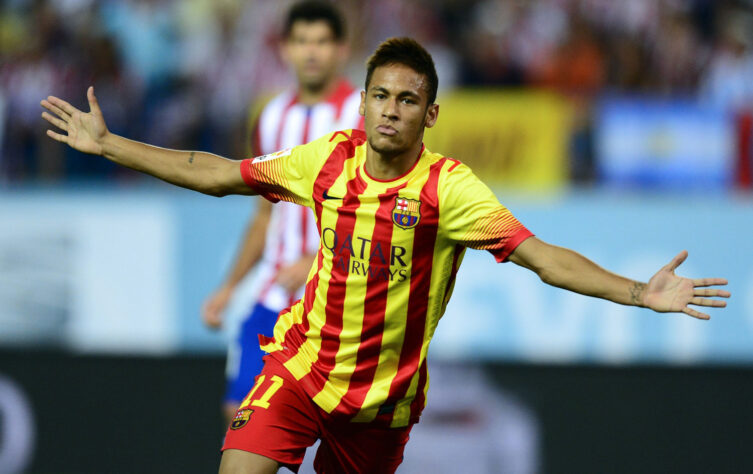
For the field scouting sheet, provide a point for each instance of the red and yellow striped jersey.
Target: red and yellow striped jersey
(386, 265)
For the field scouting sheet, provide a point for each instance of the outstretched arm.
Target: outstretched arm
(87, 132)
(665, 292)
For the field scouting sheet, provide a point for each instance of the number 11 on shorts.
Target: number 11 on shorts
(245, 411)
(275, 383)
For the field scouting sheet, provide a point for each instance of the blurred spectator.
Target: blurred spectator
(728, 82)
(678, 55)
(577, 68)
(626, 64)
(145, 33)
(577, 65)
(32, 67)
(487, 47)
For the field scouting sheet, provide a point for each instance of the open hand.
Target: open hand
(85, 131)
(667, 292)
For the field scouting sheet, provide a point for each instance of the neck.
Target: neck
(312, 95)
(386, 167)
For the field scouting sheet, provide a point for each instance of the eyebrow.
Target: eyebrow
(399, 94)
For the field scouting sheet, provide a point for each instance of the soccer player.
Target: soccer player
(283, 239)
(347, 363)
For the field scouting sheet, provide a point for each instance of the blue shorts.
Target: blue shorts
(244, 359)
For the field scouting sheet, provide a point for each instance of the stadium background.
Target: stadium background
(620, 129)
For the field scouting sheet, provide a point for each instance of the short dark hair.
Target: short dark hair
(408, 52)
(313, 10)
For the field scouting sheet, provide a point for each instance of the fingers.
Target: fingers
(696, 314)
(60, 103)
(709, 281)
(696, 300)
(55, 121)
(213, 308)
(55, 110)
(679, 258)
(93, 104)
(708, 302)
(286, 281)
(211, 315)
(712, 292)
(57, 136)
(212, 320)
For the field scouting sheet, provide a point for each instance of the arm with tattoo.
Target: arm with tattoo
(665, 292)
(636, 293)
(88, 133)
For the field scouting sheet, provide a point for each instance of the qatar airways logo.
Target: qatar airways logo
(360, 256)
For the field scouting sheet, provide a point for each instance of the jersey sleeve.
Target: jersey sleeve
(471, 215)
(287, 175)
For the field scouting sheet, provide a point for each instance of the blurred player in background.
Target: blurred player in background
(347, 363)
(283, 239)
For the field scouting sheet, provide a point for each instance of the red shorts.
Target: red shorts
(278, 420)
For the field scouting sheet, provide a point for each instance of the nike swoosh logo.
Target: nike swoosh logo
(327, 196)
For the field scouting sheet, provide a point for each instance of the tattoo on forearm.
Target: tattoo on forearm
(636, 292)
(190, 158)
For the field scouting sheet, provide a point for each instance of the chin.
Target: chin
(385, 147)
(314, 82)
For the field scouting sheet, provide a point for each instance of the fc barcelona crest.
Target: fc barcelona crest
(241, 418)
(407, 212)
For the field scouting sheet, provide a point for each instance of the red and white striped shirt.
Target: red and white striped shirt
(285, 123)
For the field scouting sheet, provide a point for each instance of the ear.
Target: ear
(362, 106)
(432, 114)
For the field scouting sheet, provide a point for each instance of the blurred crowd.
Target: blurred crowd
(184, 73)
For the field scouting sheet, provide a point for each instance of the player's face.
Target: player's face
(396, 109)
(313, 52)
